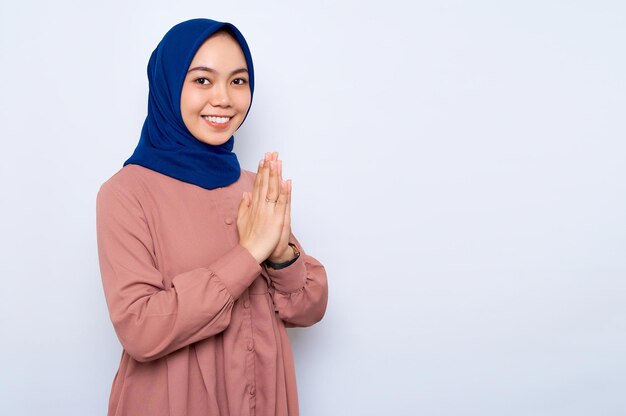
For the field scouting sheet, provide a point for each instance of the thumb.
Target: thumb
(244, 204)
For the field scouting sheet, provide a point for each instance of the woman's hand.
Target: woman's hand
(263, 219)
(282, 252)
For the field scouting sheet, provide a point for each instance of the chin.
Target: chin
(212, 138)
(215, 141)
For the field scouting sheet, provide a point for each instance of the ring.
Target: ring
(269, 200)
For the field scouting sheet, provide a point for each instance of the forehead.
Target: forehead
(220, 49)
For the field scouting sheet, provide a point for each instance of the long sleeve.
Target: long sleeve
(152, 320)
(300, 290)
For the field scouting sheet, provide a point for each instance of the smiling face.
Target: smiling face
(216, 92)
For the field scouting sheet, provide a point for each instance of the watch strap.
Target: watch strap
(278, 266)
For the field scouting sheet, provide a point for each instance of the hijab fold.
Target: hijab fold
(166, 145)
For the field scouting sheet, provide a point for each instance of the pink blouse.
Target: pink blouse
(201, 323)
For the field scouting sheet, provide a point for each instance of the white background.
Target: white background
(458, 167)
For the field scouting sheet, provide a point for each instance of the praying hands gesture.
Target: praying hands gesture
(264, 217)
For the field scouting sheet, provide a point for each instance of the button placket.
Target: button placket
(250, 353)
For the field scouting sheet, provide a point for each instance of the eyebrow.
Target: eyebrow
(207, 69)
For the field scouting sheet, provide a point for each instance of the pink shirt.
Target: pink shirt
(201, 323)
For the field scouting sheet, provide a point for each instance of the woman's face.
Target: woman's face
(216, 92)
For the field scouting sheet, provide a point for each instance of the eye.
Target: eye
(240, 81)
(201, 81)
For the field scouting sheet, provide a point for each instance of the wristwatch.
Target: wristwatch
(278, 266)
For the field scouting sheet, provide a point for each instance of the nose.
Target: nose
(220, 96)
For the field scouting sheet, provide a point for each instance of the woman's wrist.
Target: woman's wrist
(253, 253)
(289, 256)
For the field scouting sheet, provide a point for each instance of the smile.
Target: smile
(217, 121)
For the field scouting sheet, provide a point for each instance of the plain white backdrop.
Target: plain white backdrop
(458, 167)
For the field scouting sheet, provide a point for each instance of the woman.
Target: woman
(200, 269)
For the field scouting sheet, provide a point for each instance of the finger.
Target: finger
(288, 207)
(286, 233)
(280, 171)
(264, 184)
(244, 204)
(271, 156)
(274, 185)
(257, 183)
(282, 197)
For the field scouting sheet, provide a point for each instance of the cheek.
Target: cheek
(190, 103)
(243, 101)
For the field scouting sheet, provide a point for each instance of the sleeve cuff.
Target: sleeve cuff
(237, 269)
(289, 279)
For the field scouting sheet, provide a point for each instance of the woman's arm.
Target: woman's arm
(300, 290)
(151, 320)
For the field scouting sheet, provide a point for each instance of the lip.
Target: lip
(219, 126)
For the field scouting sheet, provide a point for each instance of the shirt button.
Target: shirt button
(250, 346)
(228, 220)
(252, 390)
(246, 304)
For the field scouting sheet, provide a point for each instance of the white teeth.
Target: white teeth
(214, 119)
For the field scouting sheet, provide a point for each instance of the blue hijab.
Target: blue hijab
(166, 145)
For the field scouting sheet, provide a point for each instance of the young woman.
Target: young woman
(200, 269)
